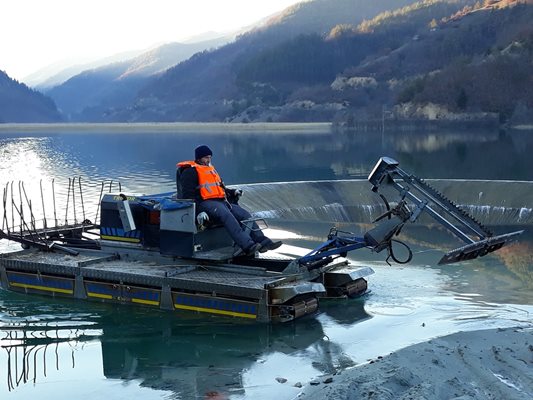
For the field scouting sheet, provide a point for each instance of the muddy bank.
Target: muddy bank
(486, 364)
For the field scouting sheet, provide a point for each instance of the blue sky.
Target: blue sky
(38, 33)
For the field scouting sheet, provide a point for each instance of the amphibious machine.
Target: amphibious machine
(150, 251)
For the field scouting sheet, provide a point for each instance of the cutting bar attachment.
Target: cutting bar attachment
(479, 248)
(416, 197)
(479, 240)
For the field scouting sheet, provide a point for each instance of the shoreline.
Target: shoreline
(132, 127)
(142, 127)
(484, 364)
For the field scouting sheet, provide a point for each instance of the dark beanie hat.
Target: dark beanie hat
(202, 151)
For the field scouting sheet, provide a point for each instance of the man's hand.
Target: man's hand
(233, 195)
(201, 219)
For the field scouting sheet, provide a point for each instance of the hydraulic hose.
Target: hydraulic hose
(391, 253)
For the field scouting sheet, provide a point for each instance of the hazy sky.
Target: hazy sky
(37, 33)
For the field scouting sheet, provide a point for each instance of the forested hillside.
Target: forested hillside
(205, 87)
(344, 61)
(456, 57)
(18, 103)
(477, 60)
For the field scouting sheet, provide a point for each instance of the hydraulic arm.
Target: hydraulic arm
(415, 197)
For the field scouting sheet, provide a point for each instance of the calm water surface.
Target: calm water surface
(52, 348)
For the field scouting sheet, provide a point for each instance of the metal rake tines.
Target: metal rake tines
(449, 203)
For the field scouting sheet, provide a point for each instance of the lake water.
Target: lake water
(53, 348)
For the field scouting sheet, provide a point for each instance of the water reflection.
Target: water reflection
(39, 340)
(505, 276)
(147, 158)
(31, 353)
(475, 155)
(195, 360)
(191, 358)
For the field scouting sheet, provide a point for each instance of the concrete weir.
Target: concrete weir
(493, 203)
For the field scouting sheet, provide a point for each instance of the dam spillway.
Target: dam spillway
(493, 203)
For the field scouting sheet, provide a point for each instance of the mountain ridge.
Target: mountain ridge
(330, 61)
(20, 104)
(294, 79)
(85, 95)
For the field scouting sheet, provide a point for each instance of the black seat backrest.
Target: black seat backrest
(179, 190)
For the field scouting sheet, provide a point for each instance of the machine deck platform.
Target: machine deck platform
(250, 292)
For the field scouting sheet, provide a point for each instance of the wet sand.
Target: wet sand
(485, 364)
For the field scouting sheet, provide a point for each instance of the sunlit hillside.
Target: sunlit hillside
(337, 61)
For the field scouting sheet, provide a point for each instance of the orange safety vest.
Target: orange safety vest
(209, 181)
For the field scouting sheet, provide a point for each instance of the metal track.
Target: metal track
(451, 206)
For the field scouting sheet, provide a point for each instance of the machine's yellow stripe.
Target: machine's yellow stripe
(46, 288)
(120, 239)
(214, 311)
(109, 297)
(99, 295)
(149, 302)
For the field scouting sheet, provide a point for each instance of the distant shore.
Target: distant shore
(144, 127)
(211, 127)
(486, 364)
